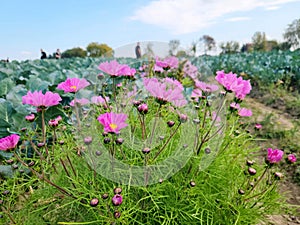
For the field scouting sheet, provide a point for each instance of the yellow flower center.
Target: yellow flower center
(73, 87)
(113, 126)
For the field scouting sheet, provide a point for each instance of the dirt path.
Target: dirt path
(290, 190)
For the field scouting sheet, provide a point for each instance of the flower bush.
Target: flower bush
(154, 145)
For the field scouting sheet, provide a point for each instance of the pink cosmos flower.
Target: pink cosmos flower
(206, 87)
(274, 156)
(235, 105)
(231, 82)
(99, 100)
(227, 80)
(9, 142)
(169, 62)
(258, 126)
(54, 122)
(80, 101)
(292, 158)
(125, 70)
(167, 90)
(244, 112)
(196, 94)
(73, 84)
(190, 70)
(114, 69)
(37, 98)
(113, 122)
(242, 88)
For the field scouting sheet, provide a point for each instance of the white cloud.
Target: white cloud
(189, 16)
(235, 19)
(272, 8)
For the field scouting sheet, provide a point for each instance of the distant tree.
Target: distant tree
(209, 43)
(173, 46)
(95, 49)
(230, 47)
(248, 47)
(259, 41)
(272, 45)
(292, 34)
(182, 54)
(284, 46)
(74, 52)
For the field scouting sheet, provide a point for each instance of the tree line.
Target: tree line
(259, 43)
(94, 49)
(204, 44)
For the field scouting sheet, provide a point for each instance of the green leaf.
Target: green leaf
(6, 171)
(36, 84)
(6, 86)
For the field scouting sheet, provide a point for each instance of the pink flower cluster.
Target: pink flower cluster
(38, 99)
(113, 122)
(9, 142)
(73, 84)
(114, 69)
(235, 84)
(166, 90)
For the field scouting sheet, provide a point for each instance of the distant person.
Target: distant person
(138, 52)
(44, 55)
(57, 54)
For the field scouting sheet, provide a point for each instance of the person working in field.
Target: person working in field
(44, 55)
(138, 52)
(57, 54)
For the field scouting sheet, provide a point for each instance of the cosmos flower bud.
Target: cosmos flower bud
(249, 162)
(183, 118)
(170, 123)
(192, 184)
(241, 191)
(146, 150)
(278, 175)
(119, 141)
(106, 140)
(98, 153)
(94, 202)
(117, 214)
(292, 158)
(117, 200)
(251, 171)
(105, 196)
(30, 117)
(143, 108)
(118, 190)
(88, 140)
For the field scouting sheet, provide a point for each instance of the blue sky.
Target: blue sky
(27, 26)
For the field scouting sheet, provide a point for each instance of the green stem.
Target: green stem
(165, 144)
(8, 214)
(260, 178)
(41, 177)
(43, 126)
